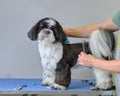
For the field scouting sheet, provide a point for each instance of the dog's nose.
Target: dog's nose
(47, 32)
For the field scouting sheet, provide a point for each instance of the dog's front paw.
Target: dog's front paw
(57, 86)
(46, 82)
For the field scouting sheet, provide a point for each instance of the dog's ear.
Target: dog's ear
(33, 33)
(61, 36)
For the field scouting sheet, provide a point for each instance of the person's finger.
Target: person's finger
(80, 59)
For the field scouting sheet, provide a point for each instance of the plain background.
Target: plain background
(19, 57)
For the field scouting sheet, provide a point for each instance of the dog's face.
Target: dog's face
(47, 31)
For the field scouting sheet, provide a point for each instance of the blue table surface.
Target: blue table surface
(35, 84)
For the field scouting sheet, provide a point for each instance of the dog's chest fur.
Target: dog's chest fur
(50, 55)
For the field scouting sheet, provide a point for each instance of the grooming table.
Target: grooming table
(33, 86)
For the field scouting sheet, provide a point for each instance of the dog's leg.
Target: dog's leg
(63, 77)
(48, 78)
(103, 80)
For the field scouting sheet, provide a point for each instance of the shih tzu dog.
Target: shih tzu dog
(57, 57)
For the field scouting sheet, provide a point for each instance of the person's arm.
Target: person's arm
(85, 31)
(91, 61)
(82, 32)
(112, 65)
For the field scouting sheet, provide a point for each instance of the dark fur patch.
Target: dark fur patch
(69, 59)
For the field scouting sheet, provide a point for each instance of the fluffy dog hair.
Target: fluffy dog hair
(57, 57)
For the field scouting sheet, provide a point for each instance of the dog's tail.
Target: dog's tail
(102, 44)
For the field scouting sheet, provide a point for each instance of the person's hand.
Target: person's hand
(86, 60)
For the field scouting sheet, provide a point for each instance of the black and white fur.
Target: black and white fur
(57, 57)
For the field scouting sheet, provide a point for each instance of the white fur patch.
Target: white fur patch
(51, 22)
(49, 60)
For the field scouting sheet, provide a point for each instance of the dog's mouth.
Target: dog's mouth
(43, 41)
(46, 41)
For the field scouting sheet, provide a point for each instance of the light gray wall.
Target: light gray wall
(19, 57)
